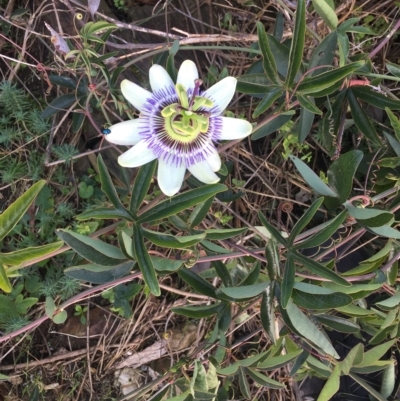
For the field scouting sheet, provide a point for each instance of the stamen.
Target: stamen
(170, 110)
(181, 91)
(200, 102)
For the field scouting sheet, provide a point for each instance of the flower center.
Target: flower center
(185, 121)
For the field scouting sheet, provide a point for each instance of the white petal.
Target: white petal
(187, 74)
(125, 133)
(234, 128)
(135, 94)
(221, 93)
(137, 156)
(159, 78)
(214, 160)
(203, 172)
(170, 178)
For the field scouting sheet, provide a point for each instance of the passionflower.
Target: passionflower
(178, 125)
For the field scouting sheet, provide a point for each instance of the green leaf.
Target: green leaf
(144, 261)
(104, 213)
(271, 94)
(277, 362)
(225, 233)
(23, 255)
(388, 381)
(264, 380)
(307, 329)
(391, 302)
(338, 323)
(97, 26)
(372, 287)
(197, 283)
(267, 314)
(268, 58)
(385, 231)
(281, 56)
(85, 191)
(199, 213)
(305, 124)
(163, 265)
(222, 272)
(325, 11)
(60, 317)
(253, 83)
(107, 185)
(277, 121)
(304, 220)
(65, 82)
(174, 48)
(288, 280)
(361, 119)
(368, 95)
(180, 202)
(354, 357)
(327, 79)
(96, 274)
(393, 69)
(342, 171)
(369, 217)
(4, 377)
(141, 185)
(364, 384)
(394, 143)
(312, 179)
(323, 55)
(59, 104)
(320, 270)
(328, 229)
(5, 284)
(253, 275)
(395, 123)
(354, 311)
(50, 307)
(244, 292)
(171, 241)
(94, 250)
(332, 385)
(297, 46)
(10, 217)
(271, 229)
(272, 256)
(321, 301)
(200, 382)
(308, 103)
(77, 121)
(198, 312)
(244, 384)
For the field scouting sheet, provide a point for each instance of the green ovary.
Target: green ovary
(183, 122)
